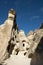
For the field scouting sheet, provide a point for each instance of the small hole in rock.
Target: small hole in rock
(23, 45)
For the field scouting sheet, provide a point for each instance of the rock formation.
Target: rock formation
(35, 39)
(21, 43)
(6, 32)
(15, 44)
(28, 47)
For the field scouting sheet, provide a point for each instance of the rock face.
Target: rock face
(21, 43)
(37, 58)
(15, 44)
(35, 39)
(28, 50)
(5, 34)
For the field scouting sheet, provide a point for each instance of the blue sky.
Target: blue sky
(29, 13)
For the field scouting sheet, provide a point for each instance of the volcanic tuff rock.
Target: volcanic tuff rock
(6, 31)
(14, 43)
(25, 45)
(34, 39)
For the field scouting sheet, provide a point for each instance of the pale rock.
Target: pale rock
(23, 45)
(5, 34)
